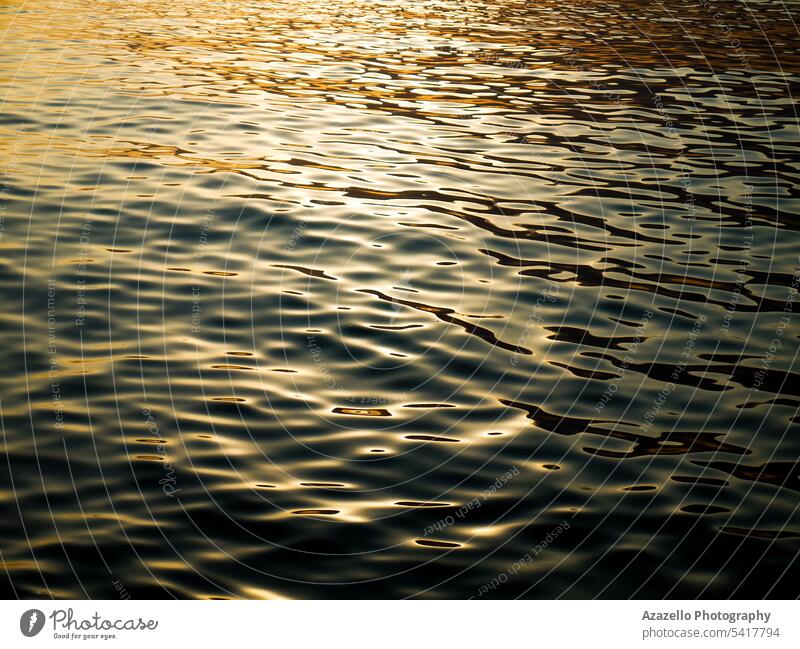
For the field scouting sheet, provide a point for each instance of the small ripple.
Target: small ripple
(312, 272)
(363, 412)
(430, 543)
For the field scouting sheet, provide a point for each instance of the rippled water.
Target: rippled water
(398, 298)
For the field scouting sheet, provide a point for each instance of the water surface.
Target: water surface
(399, 299)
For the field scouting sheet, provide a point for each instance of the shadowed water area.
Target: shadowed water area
(398, 299)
